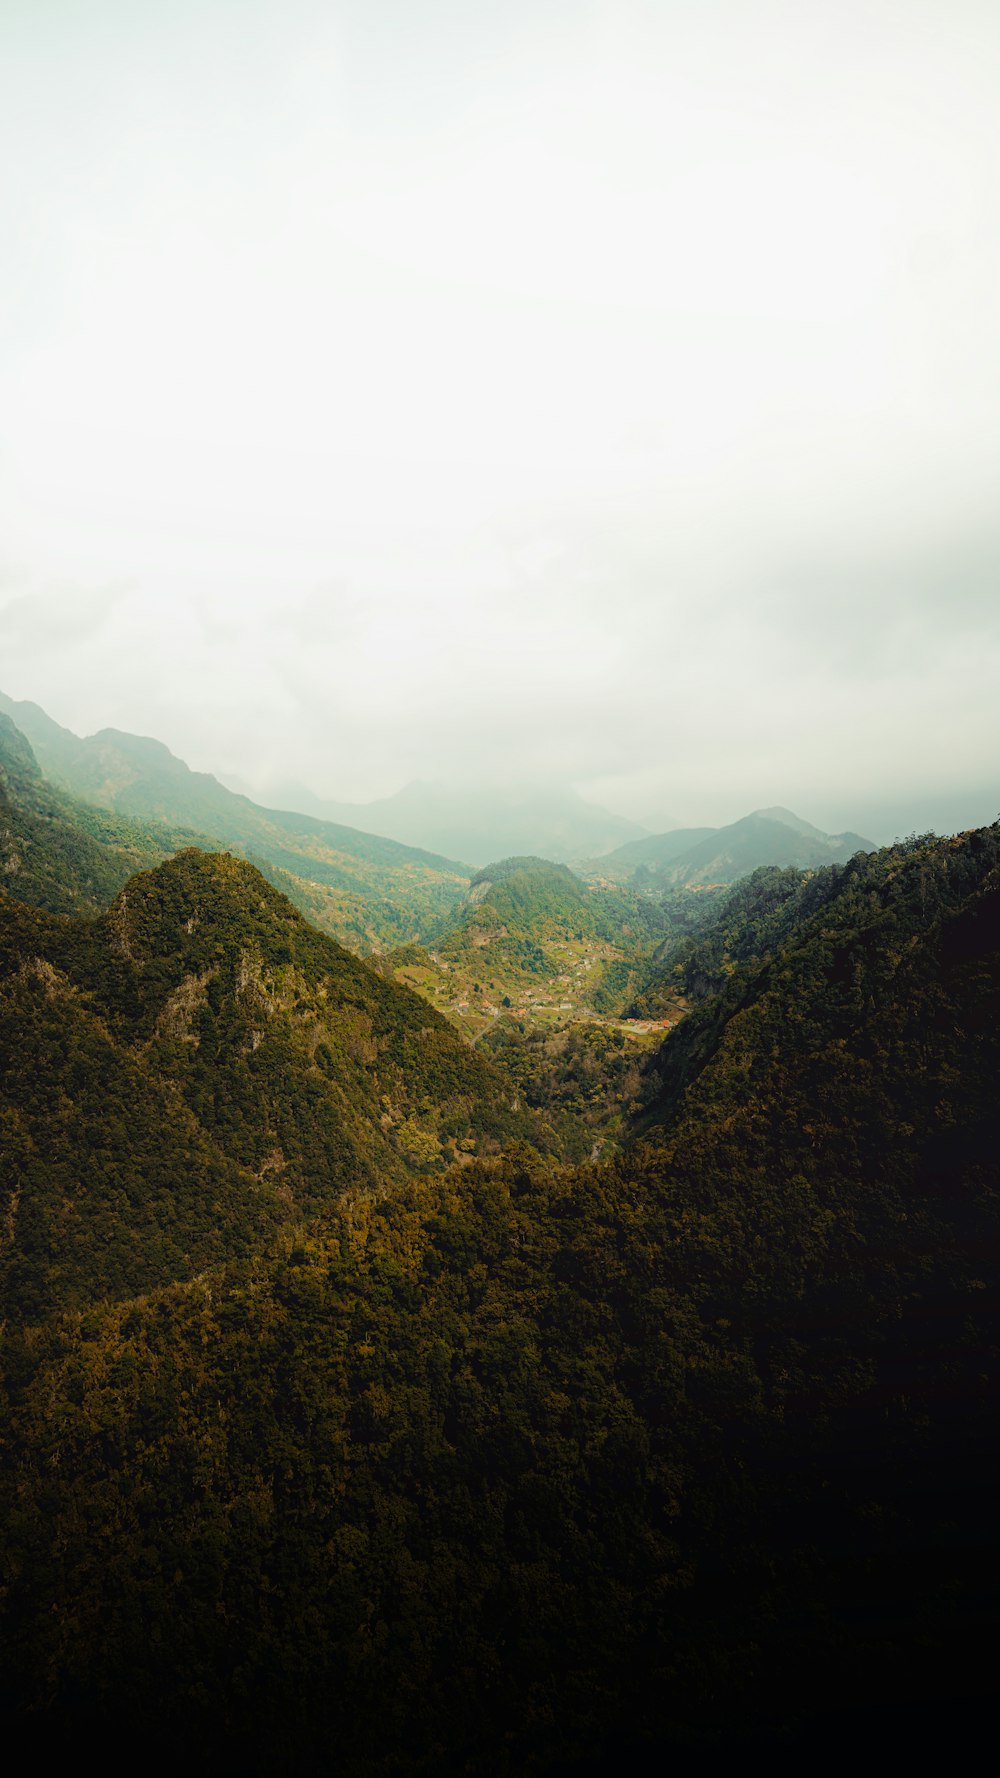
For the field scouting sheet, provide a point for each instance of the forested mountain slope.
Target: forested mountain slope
(739, 924)
(725, 854)
(524, 1470)
(367, 891)
(197, 1065)
(61, 854)
(829, 952)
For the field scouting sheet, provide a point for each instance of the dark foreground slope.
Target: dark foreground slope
(520, 1471)
(196, 1066)
(814, 968)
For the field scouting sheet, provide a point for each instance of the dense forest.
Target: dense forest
(347, 1427)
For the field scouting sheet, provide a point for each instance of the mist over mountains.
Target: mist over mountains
(365, 889)
(500, 930)
(480, 823)
(702, 856)
(431, 824)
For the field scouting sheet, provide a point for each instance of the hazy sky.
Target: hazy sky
(610, 392)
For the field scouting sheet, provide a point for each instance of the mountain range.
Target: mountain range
(701, 856)
(479, 822)
(346, 1404)
(392, 881)
(365, 889)
(346, 1426)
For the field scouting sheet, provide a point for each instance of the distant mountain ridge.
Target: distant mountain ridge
(139, 775)
(62, 854)
(653, 851)
(480, 823)
(363, 888)
(379, 888)
(700, 856)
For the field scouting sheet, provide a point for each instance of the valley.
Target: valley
(454, 1356)
(499, 889)
(536, 968)
(573, 980)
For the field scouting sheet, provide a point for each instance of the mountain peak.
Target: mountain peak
(197, 902)
(787, 818)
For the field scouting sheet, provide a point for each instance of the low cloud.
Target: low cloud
(623, 417)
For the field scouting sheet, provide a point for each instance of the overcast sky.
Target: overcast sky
(603, 392)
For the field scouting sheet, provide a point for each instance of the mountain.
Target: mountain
(61, 854)
(46, 858)
(365, 889)
(197, 1066)
(831, 952)
(532, 941)
(482, 822)
(653, 851)
(522, 1468)
(768, 836)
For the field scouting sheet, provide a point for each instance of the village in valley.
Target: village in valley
(476, 991)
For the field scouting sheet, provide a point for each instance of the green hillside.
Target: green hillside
(653, 851)
(61, 854)
(365, 890)
(534, 946)
(198, 1064)
(527, 1470)
(696, 857)
(740, 924)
(828, 955)
(768, 837)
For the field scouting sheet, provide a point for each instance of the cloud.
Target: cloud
(59, 617)
(601, 393)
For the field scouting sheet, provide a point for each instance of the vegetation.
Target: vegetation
(532, 942)
(738, 926)
(368, 892)
(510, 1467)
(585, 1080)
(197, 1065)
(702, 856)
(57, 853)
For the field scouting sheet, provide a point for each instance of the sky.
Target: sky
(599, 394)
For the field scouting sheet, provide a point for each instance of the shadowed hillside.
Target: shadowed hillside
(521, 1469)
